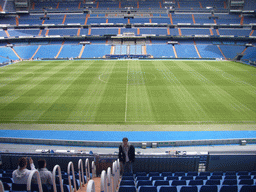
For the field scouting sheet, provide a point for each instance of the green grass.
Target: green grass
(128, 92)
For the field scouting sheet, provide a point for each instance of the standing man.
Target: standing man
(126, 156)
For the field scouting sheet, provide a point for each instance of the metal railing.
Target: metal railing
(57, 167)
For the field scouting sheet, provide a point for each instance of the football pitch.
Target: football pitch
(127, 92)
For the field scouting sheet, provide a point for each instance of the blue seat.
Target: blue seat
(127, 188)
(150, 174)
(216, 177)
(142, 178)
(6, 179)
(217, 173)
(246, 182)
(178, 182)
(204, 174)
(188, 189)
(143, 182)
(201, 178)
(245, 177)
(191, 173)
(248, 188)
(127, 178)
(179, 174)
(213, 182)
(147, 189)
(156, 178)
(127, 182)
(242, 173)
(230, 173)
(228, 188)
(140, 174)
(196, 182)
(6, 186)
(165, 174)
(169, 178)
(160, 182)
(230, 177)
(229, 182)
(209, 188)
(167, 189)
(253, 173)
(186, 178)
(127, 174)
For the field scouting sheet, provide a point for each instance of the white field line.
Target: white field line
(185, 122)
(126, 95)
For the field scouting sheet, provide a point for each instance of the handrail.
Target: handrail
(38, 180)
(115, 174)
(54, 178)
(81, 172)
(103, 181)
(90, 186)
(87, 169)
(109, 179)
(93, 169)
(71, 165)
(118, 169)
(1, 186)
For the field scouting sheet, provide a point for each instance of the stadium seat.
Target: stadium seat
(228, 188)
(245, 177)
(230, 173)
(229, 182)
(188, 189)
(196, 182)
(209, 188)
(65, 187)
(147, 189)
(127, 182)
(169, 178)
(6, 179)
(204, 174)
(201, 178)
(230, 177)
(150, 174)
(213, 182)
(127, 188)
(160, 182)
(216, 177)
(192, 173)
(246, 182)
(179, 174)
(242, 173)
(142, 178)
(248, 188)
(140, 174)
(165, 174)
(143, 182)
(156, 178)
(186, 178)
(167, 189)
(217, 173)
(127, 174)
(178, 182)
(6, 186)
(127, 178)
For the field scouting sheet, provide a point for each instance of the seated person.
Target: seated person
(45, 174)
(20, 175)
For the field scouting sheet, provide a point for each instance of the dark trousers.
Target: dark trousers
(126, 167)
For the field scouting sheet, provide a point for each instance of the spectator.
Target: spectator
(126, 156)
(20, 175)
(45, 174)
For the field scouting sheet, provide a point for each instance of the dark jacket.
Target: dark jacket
(131, 153)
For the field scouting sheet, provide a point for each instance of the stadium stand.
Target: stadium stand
(183, 29)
